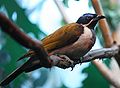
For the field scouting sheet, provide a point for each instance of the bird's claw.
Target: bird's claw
(72, 67)
(65, 62)
(79, 61)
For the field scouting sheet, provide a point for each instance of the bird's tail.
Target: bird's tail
(12, 76)
(28, 54)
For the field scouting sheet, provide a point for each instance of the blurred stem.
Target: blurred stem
(103, 24)
(108, 43)
(111, 77)
(62, 11)
(104, 27)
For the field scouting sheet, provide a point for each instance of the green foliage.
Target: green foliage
(63, 86)
(65, 2)
(112, 13)
(11, 47)
(94, 79)
(11, 6)
(10, 50)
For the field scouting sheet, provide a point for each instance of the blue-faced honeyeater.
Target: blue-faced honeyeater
(73, 40)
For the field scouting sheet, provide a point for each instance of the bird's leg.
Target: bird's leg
(78, 61)
(66, 62)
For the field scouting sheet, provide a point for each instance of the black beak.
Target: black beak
(99, 17)
(93, 22)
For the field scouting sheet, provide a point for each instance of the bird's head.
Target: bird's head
(89, 20)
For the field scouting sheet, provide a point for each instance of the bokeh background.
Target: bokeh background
(38, 18)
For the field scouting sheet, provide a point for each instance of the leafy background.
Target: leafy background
(24, 15)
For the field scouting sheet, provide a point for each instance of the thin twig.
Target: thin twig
(62, 11)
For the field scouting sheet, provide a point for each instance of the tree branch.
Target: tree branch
(105, 28)
(103, 24)
(101, 53)
(13, 31)
(105, 71)
(108, 43)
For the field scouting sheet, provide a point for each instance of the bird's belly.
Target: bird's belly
(78, 48)
(83, 44)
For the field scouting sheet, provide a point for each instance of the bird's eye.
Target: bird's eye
(88, 17)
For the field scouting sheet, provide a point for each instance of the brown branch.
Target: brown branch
(8, 27)
(13, 31)
(108, 43)
(105, 28)
(103, 24)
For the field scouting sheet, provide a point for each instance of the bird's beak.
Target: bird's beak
(93, 22)
(99, 17)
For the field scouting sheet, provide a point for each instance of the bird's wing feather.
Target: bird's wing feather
(64, 36)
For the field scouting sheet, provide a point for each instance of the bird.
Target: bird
(73, 40)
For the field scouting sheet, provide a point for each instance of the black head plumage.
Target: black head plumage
(89, 19)
(86, 18)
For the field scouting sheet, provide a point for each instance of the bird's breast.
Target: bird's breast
(85, 41)
(80, 47)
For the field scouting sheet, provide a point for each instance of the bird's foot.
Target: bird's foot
(78, 61)
(65, 62)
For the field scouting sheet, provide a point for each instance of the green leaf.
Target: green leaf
(94, 79)
(10, 46)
